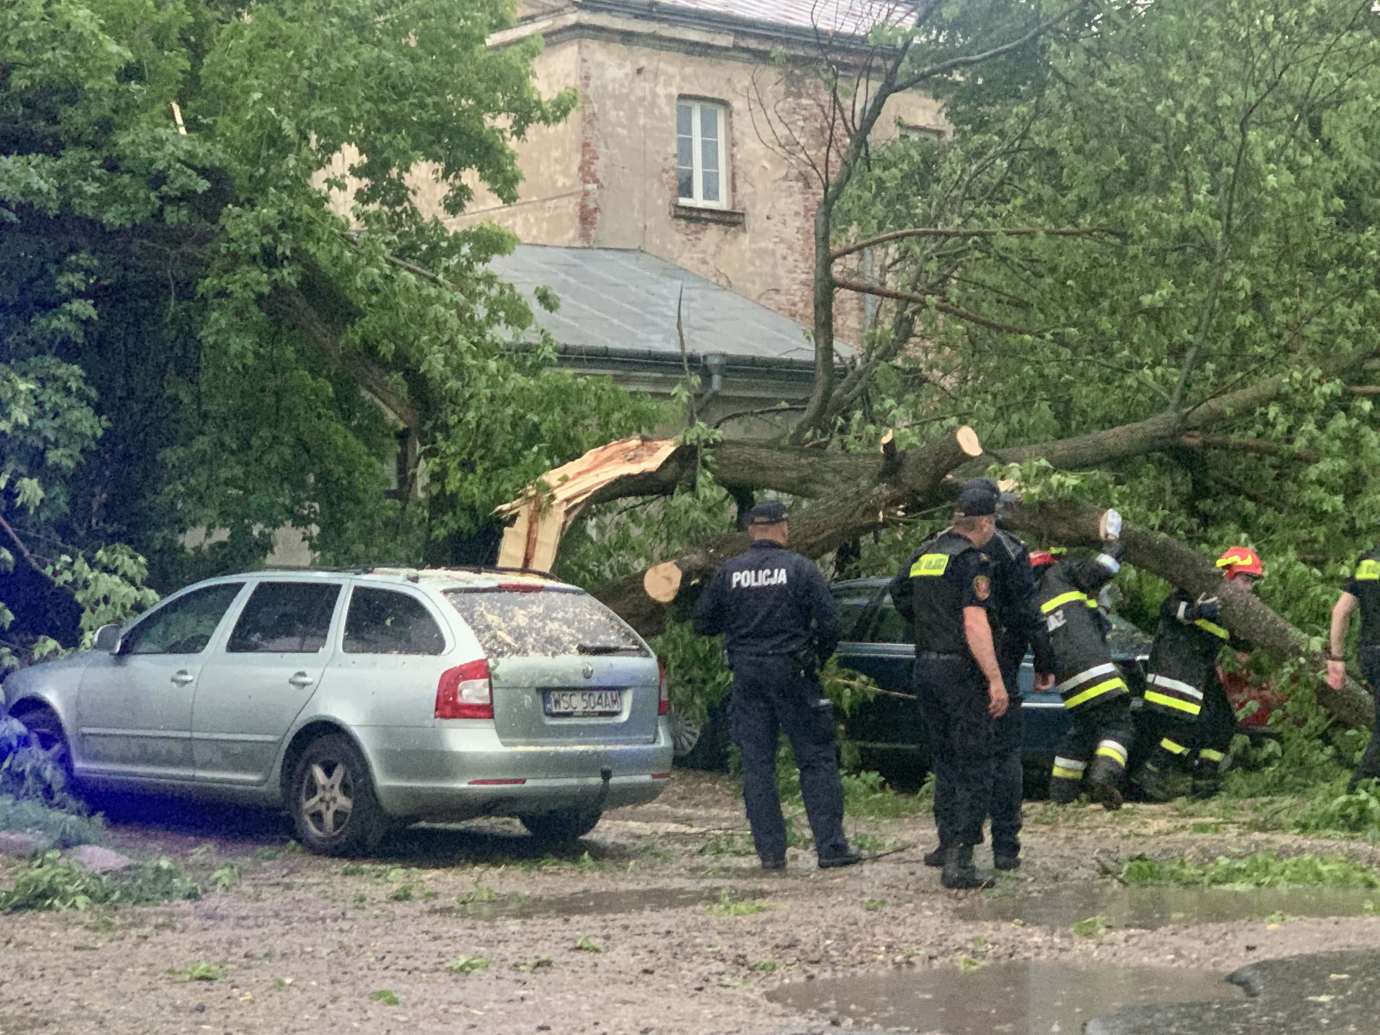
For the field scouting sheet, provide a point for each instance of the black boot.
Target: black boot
(1063, 791)
(935, 858)
(1006, 856)
(1104, 782)
(959, 872)
(1158, 784)
(1207, 780)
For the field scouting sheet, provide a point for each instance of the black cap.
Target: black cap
(772, 512)
(977, 498)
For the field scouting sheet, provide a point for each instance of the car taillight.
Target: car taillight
(663, 704)
(465, 692)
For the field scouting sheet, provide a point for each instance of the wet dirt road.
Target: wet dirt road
(656, 923)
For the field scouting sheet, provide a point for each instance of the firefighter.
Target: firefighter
(1363, 590)
(1194, 721)
(1098, 742)
(945, 590)
(779, 625)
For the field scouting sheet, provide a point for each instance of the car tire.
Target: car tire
(561, 826)
(46, 734)
(330, 773)
(709, 749)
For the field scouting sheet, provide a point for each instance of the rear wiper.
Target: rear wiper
(607, 648)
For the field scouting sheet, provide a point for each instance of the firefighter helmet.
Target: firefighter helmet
(1241, 560)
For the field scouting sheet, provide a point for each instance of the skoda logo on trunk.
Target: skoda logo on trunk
(588, 671)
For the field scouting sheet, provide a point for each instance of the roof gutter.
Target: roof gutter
(656, 357)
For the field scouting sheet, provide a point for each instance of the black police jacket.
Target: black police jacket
(1364, 585)
(947, 574)
(1013, 598)
(768, 601)
(1067, 595)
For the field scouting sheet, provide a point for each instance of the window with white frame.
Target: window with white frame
(702, 153)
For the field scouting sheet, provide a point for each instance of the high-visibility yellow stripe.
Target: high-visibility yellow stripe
(1107, 686)
(1063, 598)
(1060, 773)
(1186, 707)
(1110, 748)
(1211, 755)
(930, 564)
(1173, 746)
(1216, 630)
(1116, 756)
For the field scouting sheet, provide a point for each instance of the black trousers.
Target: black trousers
(953, 702)
(1008, 773)
(1369, 767)
(771, 696)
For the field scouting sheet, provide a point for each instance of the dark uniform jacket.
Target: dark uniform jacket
(1183, 661)
(769, 601)
(1019, 623)
(1364, 585)
(1083, 668)
(947, 574)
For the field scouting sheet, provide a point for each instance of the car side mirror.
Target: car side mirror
(107, 639)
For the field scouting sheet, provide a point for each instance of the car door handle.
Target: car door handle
(183, 677)
(301, 679)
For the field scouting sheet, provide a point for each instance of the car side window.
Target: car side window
(851, 608)
(184, 626)
(285, 618)
(890, 627)
(381, 621)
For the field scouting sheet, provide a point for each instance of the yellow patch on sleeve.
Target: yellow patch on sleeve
(929, 565)
(1368, 571)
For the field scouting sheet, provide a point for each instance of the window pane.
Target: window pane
(891, 627)
(384, 622)
(547, 623)
(185, 626)
(685, 115)
(685, 183)
(711, 186)
(685, 152)
(285, 618)
(850, 609)
(709, 156)
(709, 122)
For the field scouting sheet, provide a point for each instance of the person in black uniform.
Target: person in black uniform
(1183, 694)
(945, 590)
(1098, 742)
(1361, 590)
(779, 625)
(1019, 627)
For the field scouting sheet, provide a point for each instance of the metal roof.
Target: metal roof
(851, 17)
(622, 302)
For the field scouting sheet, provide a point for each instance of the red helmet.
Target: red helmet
(1241, 560)
(1041, 558)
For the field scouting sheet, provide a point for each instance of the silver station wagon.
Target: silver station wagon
(363, 701)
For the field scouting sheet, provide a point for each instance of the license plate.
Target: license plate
(580, 703)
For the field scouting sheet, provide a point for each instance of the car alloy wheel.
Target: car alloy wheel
(332, 798)
(685, 734)
(328, 798)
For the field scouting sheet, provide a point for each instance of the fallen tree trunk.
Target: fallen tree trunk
(1245, 614)
(852, 509)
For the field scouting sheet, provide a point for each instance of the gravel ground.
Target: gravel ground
(656, 923)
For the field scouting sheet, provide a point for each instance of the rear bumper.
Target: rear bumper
(430, 773)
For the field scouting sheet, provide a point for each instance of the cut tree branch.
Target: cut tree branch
(932, 231)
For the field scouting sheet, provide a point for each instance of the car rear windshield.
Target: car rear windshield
(543, 622)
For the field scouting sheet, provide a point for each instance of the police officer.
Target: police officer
(945, 590)
(779, 625)
(1019, 627)
(1098, 741)
(1363, 590)
(1183, 693)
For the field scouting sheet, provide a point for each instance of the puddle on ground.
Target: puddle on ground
(1153, 907)
(595, 903)
(1016, 998)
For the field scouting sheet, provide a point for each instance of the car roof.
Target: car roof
(441, 578)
